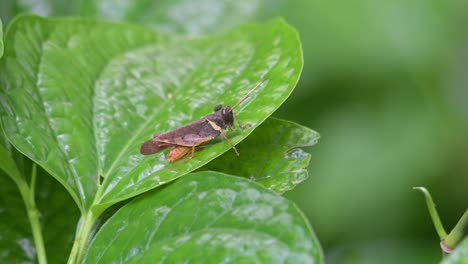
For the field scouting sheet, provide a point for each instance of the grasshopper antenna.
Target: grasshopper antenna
(242, 100)
(248, 94)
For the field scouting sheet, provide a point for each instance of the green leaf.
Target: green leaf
(8, 164)
(174, 16)
(459, 255)
(207, 217)
(79, 96)
(271, 155)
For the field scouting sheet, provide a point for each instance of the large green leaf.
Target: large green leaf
(80, 96)
(207, 217)
(459, 255)
(175, 16)
(272, 155)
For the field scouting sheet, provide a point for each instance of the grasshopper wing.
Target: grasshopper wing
(193, 134)
(151, 146)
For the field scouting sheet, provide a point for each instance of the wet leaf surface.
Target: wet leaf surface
(206, 217)
(80, 96)
(272, 155)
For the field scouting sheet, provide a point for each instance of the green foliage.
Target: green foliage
(182, 16)
(14, 225)
(56, 224)
(206, 217)
(271, 156)
(79, 96)
(12, 206)
(59, 217)
(118, 94)
(58, 221)
(8, 165)
(384, 82)
(14, 222)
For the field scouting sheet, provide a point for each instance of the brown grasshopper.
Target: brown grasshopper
(185, 139)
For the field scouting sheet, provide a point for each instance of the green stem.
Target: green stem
(27, 193)
(84, 231)
(32, 184)
(86, 226)
(433, 212)
(457, 232)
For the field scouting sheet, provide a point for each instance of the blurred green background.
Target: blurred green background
(385, 84)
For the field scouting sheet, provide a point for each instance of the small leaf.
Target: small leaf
(79, 97)
(206, 217)
(459, 255)
(272, 155)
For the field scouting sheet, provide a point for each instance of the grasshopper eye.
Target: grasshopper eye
(218, 107)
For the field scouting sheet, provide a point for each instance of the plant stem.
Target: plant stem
(433, 212)
(27, 193)
(457, 232)
(82, 237)
(88, 219)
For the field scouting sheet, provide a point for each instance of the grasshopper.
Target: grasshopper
(187, 138)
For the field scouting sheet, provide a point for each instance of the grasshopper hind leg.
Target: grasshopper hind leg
(177, 153)
(180, 151)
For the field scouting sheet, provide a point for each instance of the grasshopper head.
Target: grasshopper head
(226, 114)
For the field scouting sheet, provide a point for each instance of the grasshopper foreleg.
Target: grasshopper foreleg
(218, 128)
